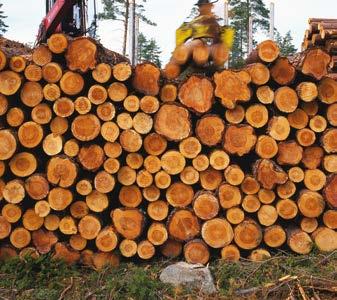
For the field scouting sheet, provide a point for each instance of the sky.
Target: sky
(24, 17)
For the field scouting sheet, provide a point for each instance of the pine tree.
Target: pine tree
(119, 10)
(3, 25)
(285, 43)
(148, 50)
(240, 11)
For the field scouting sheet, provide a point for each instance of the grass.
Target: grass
(281, 277)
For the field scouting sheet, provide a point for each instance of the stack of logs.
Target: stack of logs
(322, 33)
(100, 161)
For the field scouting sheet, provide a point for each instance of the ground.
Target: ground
(284, 276)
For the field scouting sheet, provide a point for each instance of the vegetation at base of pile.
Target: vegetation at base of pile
(282, 277)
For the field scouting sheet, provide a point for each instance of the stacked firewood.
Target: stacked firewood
(99, 160)
(322, 33)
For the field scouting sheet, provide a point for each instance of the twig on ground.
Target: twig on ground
(67, 289)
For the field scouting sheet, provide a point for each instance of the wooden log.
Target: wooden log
(128, 222)
(81, 54)
(149, 104)
(15, 117)
(41, 114)
(171, 248)
(234, 175)
(325, 239)
(235, 215)
(37, 186)
(309, 225)
(248, 234)
(171, 71)
(14, 191)
(126, 176)
(257, 115)
(97, 201)
(130, 196)
(229, 196)
(230, 253)
(63, 252)
(289, 153)
(298, 119)
(84, 187)
(89, 227)
(79, 209)
(158, 210)
(331, 114)
(259, 73)
(3, 105)
(312, 157)
(168, 92)
(274, 236)
(52, 72)
(183, 225)
(210, 129)
(210, 179)
(5, 228)
(173, 162)
(151, 193)
(330, 163)
(67, 225)
(327, 90)
(266, 147)
(77, 242)
(97, 94)
(134, 160)
(314, 179)
(219, 160)
(107, 239)
(283, 72)
(287, 209)
(57, 43)
(230, 88)
(217, 233)
(146, 79)
(152, 164)
(124, 121)
(3, 60)
(51, 222)
(206, 205)
(42, 208)
(296, 174)
(59, 198)
(11, 213)
(20, 237)
(269, 174)
(299, 241)
(265, 94)
(329, 219)
(312, 62)
(179, 194)
(235, 115)
(51, 92)
(142, 123)
(33, 72)
(173, 122)
(23, 164)
(146, 250)
(128, 248)
(196, 93)
(329, 192)
(329, 141)
(259, 255)
(279, 128)
(189, 175)
(239, 139)
(112, 150)
(219, 54)
(17, 63)
(307, 91)
(85, 127)
(155, 144)
(267, 215)
(251, 203)
(286, 99)
(157, 234)
(91, 157)
(268, 51)
(196, 252)
(144, 178)
(42, 55)
(71, 83)
(201, 162)
(101, 73)
(130, 140)
(122, 71)
(286, 190)
(250, 185)
(311, 204)
(266, 196)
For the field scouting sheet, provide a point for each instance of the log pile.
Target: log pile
(322, 33)
(99, 160)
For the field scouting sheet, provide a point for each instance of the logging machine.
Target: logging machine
(67, 16)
